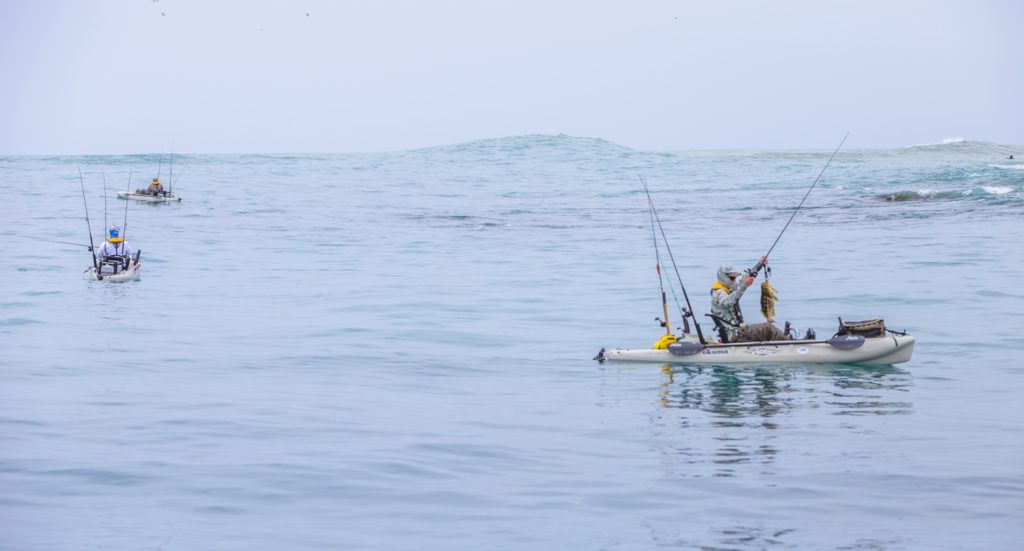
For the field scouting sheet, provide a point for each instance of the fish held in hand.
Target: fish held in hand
(768, 300)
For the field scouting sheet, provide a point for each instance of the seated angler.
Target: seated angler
(725, 308)
(155, 187)
(114, 252)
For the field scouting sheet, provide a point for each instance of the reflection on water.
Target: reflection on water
(734, 416)
(752, 536)
(728, 392)
(732, 537)
(731, 392)
(773, 431)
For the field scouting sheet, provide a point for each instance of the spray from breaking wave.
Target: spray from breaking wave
(978, 192)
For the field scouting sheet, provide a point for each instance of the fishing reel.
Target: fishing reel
(757, 270)
(685, 329)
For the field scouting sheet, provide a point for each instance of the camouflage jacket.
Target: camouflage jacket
(725, 304)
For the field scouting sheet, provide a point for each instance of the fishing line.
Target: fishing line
(823, 169)
(61, 242)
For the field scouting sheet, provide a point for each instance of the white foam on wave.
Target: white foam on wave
(997, 190)
(946, 141)
(1009, 167)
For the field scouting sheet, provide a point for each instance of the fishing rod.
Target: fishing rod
(689, 307)
(124, 226)
(88, 224)
(180, 172)
(823, 169)
(661, 280)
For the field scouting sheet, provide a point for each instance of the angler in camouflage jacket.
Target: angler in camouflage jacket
(725, 305)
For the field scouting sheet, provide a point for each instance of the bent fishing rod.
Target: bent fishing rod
(92, 246)
(823, 169)
(689, 308)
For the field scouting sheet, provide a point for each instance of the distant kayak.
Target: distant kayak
(148, 197)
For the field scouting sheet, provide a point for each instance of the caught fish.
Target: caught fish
(768, 299)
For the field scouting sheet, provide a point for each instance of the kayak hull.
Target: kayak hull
(124, 275)
(169, 198)
(874, 351)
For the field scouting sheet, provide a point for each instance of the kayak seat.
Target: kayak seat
(723, 332)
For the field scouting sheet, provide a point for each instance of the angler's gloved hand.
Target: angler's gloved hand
(751, 274)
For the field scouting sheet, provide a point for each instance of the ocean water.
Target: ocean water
(394, 351)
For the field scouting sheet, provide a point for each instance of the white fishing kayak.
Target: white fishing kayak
(149, 198)
(127, 274)
(881, 350)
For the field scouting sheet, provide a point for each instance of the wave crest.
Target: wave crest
(960, 148)
(928, 194)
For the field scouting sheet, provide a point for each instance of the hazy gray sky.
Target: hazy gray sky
(212, 76)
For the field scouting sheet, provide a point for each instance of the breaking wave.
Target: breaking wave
(980, 192)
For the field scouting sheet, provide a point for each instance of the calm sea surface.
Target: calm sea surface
(393, 351)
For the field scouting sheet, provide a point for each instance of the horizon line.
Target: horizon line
(945, 141)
